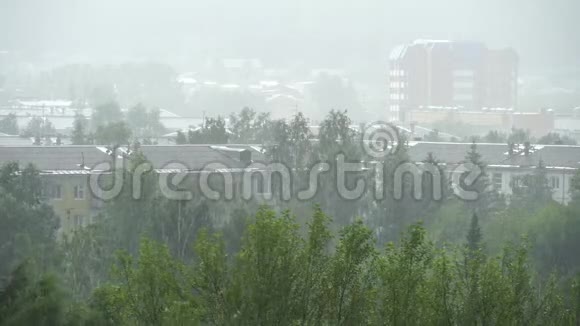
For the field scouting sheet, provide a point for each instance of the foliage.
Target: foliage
(280, 277)
(115, 133)
(105, 114)
(9, 124)
(180, 139)
(494, 136)
(38, 127)
(553, 138)
(519, 136)
(532, 191)
(213, 131)
(25, 301)
(27, 225)
(79, 134)
(250, 127)
(149, 291)
(291, 142)
(144, 122)
(200, 261)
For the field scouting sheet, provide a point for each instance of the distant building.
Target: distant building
(465, 75)
(65, 171)
(504, 165)
(568, 123)
(537, 123)
(62, 113)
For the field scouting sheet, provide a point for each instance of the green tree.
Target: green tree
(402, 271)
(474, 235)
(519, 136)
(144, 122)
(494, 136)
(149, 291)
(553, 138)
(350, 292)
(531, 191)
(9, 124)
(267, 269)
(26, 301)
(337, 135)
(250, 127)
(292, 142)
(27, 225)
(115, 133)
(488, 200)
(39, 127)
(105, 114)
(180, 139)
(80, 127)
(213, 131)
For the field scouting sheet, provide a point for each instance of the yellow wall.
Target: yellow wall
(68, 207)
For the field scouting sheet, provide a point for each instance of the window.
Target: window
(45, 190)
(497, 180)
(463, 84)
(56, 192)
(555, 182)
(79, 192)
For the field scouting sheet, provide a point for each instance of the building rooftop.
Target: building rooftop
(79, 159)
(498, 154)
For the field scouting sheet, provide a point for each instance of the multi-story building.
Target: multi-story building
(505, 164)
(464, 75)
(66, 171)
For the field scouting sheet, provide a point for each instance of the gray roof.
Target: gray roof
(497, 154)
(53, 157)
(70, 158)
(196, 157)
(13, 140)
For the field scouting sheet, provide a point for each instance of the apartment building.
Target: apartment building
(66, 170)
(441, 73)
(505, 164)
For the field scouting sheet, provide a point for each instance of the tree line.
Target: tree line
(166, 262)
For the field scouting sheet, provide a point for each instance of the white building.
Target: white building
(503, 166)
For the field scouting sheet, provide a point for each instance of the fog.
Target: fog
(322, 32)
(268, 162)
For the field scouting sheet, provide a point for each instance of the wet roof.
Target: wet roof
(498, 154)
(75, 158)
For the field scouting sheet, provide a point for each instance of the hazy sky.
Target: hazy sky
(319, 32)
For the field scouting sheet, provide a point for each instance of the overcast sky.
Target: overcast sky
(332, 32)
